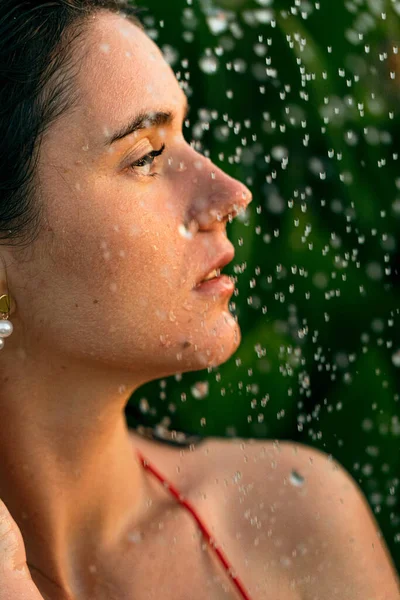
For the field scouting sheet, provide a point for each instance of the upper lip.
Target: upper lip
(223, 259)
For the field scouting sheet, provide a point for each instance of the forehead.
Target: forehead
(122, 73)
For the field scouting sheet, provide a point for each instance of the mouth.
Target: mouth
(213, 271)
(217, 286)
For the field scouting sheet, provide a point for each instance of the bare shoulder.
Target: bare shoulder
(292, 520)
(306, 515)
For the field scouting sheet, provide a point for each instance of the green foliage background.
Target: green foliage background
(303, 107)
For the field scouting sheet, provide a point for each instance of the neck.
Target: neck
(69, 474)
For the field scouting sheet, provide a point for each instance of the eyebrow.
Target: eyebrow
(145, 120)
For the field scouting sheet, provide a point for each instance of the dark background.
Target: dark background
(300, 101)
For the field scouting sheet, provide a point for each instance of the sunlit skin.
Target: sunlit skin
(104, 302)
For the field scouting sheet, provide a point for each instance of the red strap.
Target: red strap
(181, 499)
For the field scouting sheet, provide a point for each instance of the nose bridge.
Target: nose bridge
(216, 194)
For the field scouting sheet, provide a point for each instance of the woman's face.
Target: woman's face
(111, 279)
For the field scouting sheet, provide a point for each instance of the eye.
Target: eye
(146, 161)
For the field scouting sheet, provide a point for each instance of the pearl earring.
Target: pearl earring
(6, 327)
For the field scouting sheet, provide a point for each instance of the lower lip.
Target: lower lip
(222, 285)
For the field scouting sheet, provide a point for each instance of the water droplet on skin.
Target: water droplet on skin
(135, 537)
(164, 341)
(237, 477)
(184, 232)
(296, 479)
(285, 561)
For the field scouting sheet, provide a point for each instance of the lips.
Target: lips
(223, 259)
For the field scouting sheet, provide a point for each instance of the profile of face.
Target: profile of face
(111, 278)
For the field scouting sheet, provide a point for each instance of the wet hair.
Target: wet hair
(38, 67)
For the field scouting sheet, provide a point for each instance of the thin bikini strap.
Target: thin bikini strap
(181, 499)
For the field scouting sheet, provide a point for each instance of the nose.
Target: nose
(217, 197)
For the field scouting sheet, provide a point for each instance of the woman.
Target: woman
(109, 222)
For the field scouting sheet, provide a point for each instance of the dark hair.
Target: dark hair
(37, 74)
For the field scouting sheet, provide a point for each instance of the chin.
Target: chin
(214, 349)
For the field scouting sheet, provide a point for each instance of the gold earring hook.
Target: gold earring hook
(5, 303)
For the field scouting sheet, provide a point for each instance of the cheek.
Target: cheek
(149, 239)
(120, 235)
(139, 257)
(153, 256)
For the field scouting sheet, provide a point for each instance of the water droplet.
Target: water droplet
(135, 537)
(170, 54)
(296, 479)
(144, 405)
(285, 561)
(396, 358)
(219, 21)
(209, 64)
(200, 390)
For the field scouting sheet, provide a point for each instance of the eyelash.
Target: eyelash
(148, 159)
